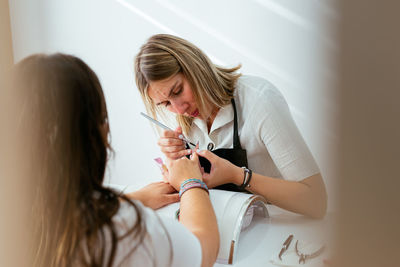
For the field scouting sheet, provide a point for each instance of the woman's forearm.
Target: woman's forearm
(197, 215)
(307, 197)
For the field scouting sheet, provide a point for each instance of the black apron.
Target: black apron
(235, 155)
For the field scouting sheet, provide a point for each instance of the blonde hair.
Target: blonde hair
(164, 55)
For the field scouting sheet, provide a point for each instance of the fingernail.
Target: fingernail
(199, 151)
(164, 167)
(180, 136)
(189, 151)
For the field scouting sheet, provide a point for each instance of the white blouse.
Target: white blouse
(166, 243)
(274, 145)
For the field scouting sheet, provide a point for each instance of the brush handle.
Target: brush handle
(164, 126)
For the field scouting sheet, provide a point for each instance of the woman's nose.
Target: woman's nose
(178, 107)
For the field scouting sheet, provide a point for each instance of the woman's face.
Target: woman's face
(176, 95)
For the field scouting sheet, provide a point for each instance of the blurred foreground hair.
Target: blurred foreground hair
(62, 108)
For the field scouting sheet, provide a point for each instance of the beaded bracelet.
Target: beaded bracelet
(190, 180)
(192, 183)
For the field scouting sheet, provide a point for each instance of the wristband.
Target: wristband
(192, 183)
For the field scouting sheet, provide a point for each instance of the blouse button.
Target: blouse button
(210, 146)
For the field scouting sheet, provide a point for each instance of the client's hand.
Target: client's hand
(155, 195)
(183, 169)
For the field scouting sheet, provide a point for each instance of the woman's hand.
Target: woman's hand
(172, 145)
(183, 169)
(155, 195)
(222, 171)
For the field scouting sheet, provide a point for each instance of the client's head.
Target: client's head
(61, 108)
(62, 102)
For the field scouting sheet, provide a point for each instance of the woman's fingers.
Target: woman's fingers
(194, 157)
(172, 198)
(171, 149)
(171, 138)
(208, 155)
(177, 155)
(167, 188)
(170, 141)
(155, 195)
(172, 145)
(168, 133)
(177, 134)
(178, 129)
(165, 176)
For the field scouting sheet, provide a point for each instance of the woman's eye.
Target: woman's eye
(166, 104)
(178, 92)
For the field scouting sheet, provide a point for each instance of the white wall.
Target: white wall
(291, 43)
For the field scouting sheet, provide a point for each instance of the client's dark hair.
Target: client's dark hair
(63, 109)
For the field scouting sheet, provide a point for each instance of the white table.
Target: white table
(264, 237)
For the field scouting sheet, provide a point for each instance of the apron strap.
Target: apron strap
(236, 141)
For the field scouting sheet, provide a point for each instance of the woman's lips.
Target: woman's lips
(195, 113)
